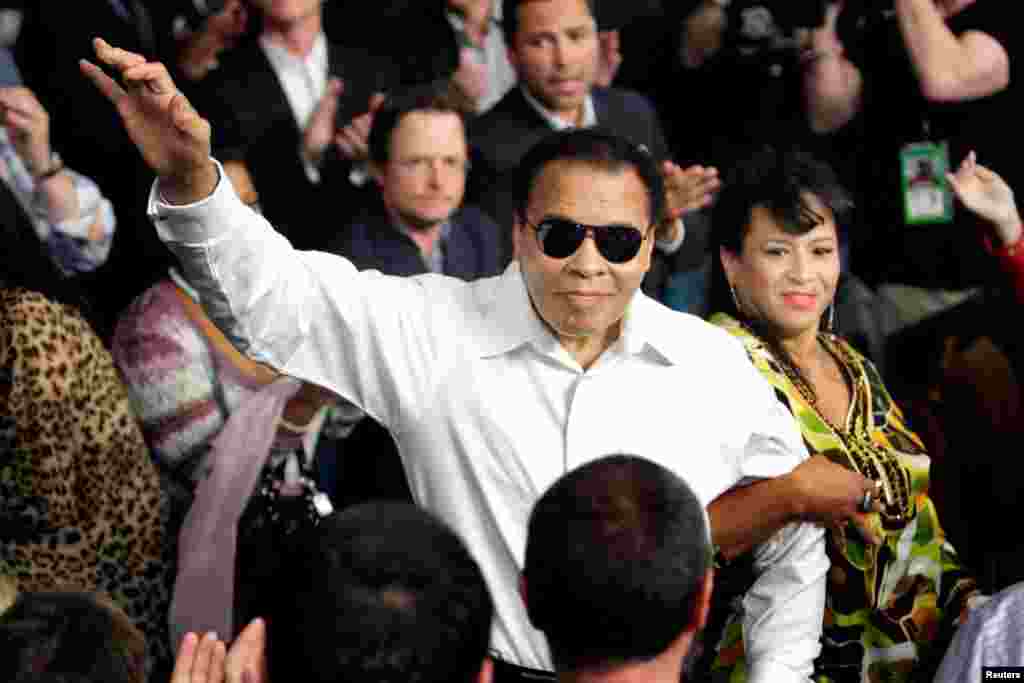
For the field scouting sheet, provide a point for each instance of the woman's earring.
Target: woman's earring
(735, 299)
(832, 317)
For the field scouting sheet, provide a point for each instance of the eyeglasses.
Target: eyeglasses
(560, 238)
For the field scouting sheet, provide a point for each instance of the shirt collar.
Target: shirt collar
(435, 261)
(589, 114)
(280, 58)
(511, 322)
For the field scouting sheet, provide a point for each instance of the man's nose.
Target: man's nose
(588, 261)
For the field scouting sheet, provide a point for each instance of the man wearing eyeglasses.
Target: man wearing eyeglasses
(495, 388)
(416, 223)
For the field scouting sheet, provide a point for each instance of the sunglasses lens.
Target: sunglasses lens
(619, 243)
(560, 238)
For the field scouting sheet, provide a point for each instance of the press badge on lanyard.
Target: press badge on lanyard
(927, 197)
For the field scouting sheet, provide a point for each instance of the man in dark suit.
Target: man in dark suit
(294, 108)
(54, 35)
(418, 160)
(553, 46)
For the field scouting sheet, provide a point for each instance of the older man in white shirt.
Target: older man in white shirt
(494, 389)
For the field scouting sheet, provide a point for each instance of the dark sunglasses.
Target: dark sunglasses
(560, 238)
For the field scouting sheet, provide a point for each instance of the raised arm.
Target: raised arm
(833, 85)
(988, 196)
(950, 68)
(171, 135)
(363, 336)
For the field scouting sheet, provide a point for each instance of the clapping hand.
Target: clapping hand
(28, 126)
(170, 134)
(688, 189)
(205, 660)
(354, 139)
(987, 195)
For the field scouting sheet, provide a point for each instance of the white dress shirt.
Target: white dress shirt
(304, 81)
(993, 635)
(488, 409)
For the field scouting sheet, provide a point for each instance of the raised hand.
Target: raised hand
(688, 190)
(28, 127)
(320, 130)
(200, 660)
(170, 134)
(246, 660)
(353, 139)
(986, 194)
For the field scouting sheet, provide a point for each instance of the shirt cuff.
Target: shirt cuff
(198, 223)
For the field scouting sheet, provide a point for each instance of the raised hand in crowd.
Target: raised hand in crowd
(206, 659)
(320, 131)
(688, 189)
(170, 134)
(199, 660)
(986, 194)
(353, 139)
(28, 127)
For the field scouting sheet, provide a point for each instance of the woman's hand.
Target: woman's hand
(987, 195)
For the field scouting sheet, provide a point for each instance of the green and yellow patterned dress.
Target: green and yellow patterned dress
(891, 608)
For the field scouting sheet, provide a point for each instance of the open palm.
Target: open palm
(171, 136)
(985, 193)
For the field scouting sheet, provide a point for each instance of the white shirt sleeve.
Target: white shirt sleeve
(991, 636)
(784, 609)
(310, 315)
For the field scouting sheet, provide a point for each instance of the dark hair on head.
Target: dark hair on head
(616, 554)
(392, 596)
(779, 180)
(510, 17)
(437, 96)
(69, 634)
(27, 262)
(598, 147)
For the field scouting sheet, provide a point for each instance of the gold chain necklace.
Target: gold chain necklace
(862, 453)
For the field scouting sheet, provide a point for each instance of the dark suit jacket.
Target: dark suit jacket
(372, 242)
(501, 137)
(253, 122)
(86, 130)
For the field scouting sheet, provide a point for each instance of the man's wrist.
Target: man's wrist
(189, 187)
(44, 170)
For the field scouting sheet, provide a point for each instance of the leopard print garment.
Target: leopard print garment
(80, 501)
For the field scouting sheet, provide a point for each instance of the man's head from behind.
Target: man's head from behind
(553, 46)
(80, 636)
(419, 155)
(392, 596)
(617, 565)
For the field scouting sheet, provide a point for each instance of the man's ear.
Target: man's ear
(518, 233)
(486, 674)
